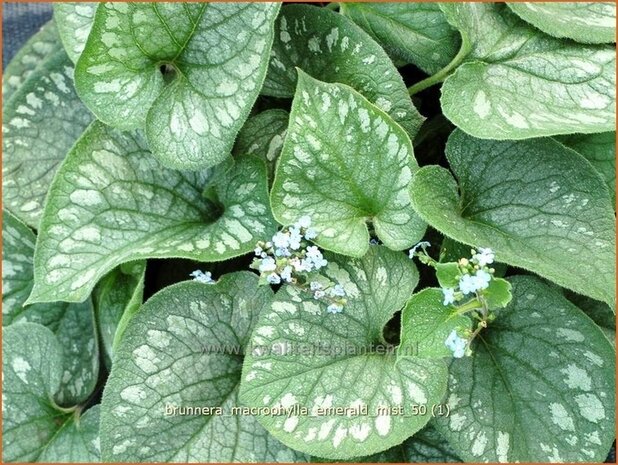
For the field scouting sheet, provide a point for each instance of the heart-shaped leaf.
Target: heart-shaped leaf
(29, 56)
(410, 32)
(42, 120)
(182, 350)
(598, 149)
(116, 298)
(537, 204)
(73, 324)
(540, 386)
(345, 162)
(186, 72)
(111, 203)
(33, 427)
(587, 22)
(489, 95)
(263, 135)
(74, 21)
(305, 357)
(330, 47)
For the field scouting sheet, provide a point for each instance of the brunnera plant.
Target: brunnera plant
(257, 232)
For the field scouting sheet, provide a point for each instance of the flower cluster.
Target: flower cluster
(456, 344)
(200, 276)
(289, 258)
(475, 276)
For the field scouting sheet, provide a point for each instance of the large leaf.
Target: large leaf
(187, 72)
(540, 386)
(410, 32)
(117, 296)
(111, 203)
(42, 120)
(344, 162)
(25, 61)
(263, 135)
(74, 21)
(330, 47)
(489, 95)
(73, 324)
(33, 427)
(598, 149)
(306, 357)
(184, 349)
(537, 204)
(588, 22)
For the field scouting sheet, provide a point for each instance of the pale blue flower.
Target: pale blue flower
(318, 294)
(456, 344)
(273, 278)
(295, 238)
(258, 251)
(268, 264)
(286, 274)
(281, 240)
(315, 286)
(200, 276)
(314, 257)
(467, 284)
(449, 295)
(282, 252)
(337, 291)
(311, 233)
(423, 245)
(334, 308)
(482, 279)
(484, 256)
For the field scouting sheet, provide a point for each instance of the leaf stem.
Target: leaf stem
(442, 74)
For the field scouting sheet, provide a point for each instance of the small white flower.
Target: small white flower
(314, 257)
(482, 279)
(281, 240)
(268, 264)
(337, 291)
(449, 295)
(423, 245)
(456, 344)
(334, 308)
(286, 274)
(304, 222)
(200, 276)
(311, 233)
(315, 286)
(258, 251)
(318, 294)
(273, 278)
(295, 238)
(467, 284)
(484, 256)
(282, 252)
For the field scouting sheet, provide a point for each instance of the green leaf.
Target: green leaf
(33, 427)
(498, 294)
(73, 324)
(415, 33)
(426, 323)
(26, 60)
(74, 21)
(540, 386)
(305, 357)
(111, 203)
(117, 297)
(426, 446)
(42, 120)
(77, 441)
(332, 48)
(186, 72)
(263, 135)
(345, 162)
(184, 349)
(601, 313)
(537, 204)
(489, 95)
(448, 274)
(587, 22)
(598, 149)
